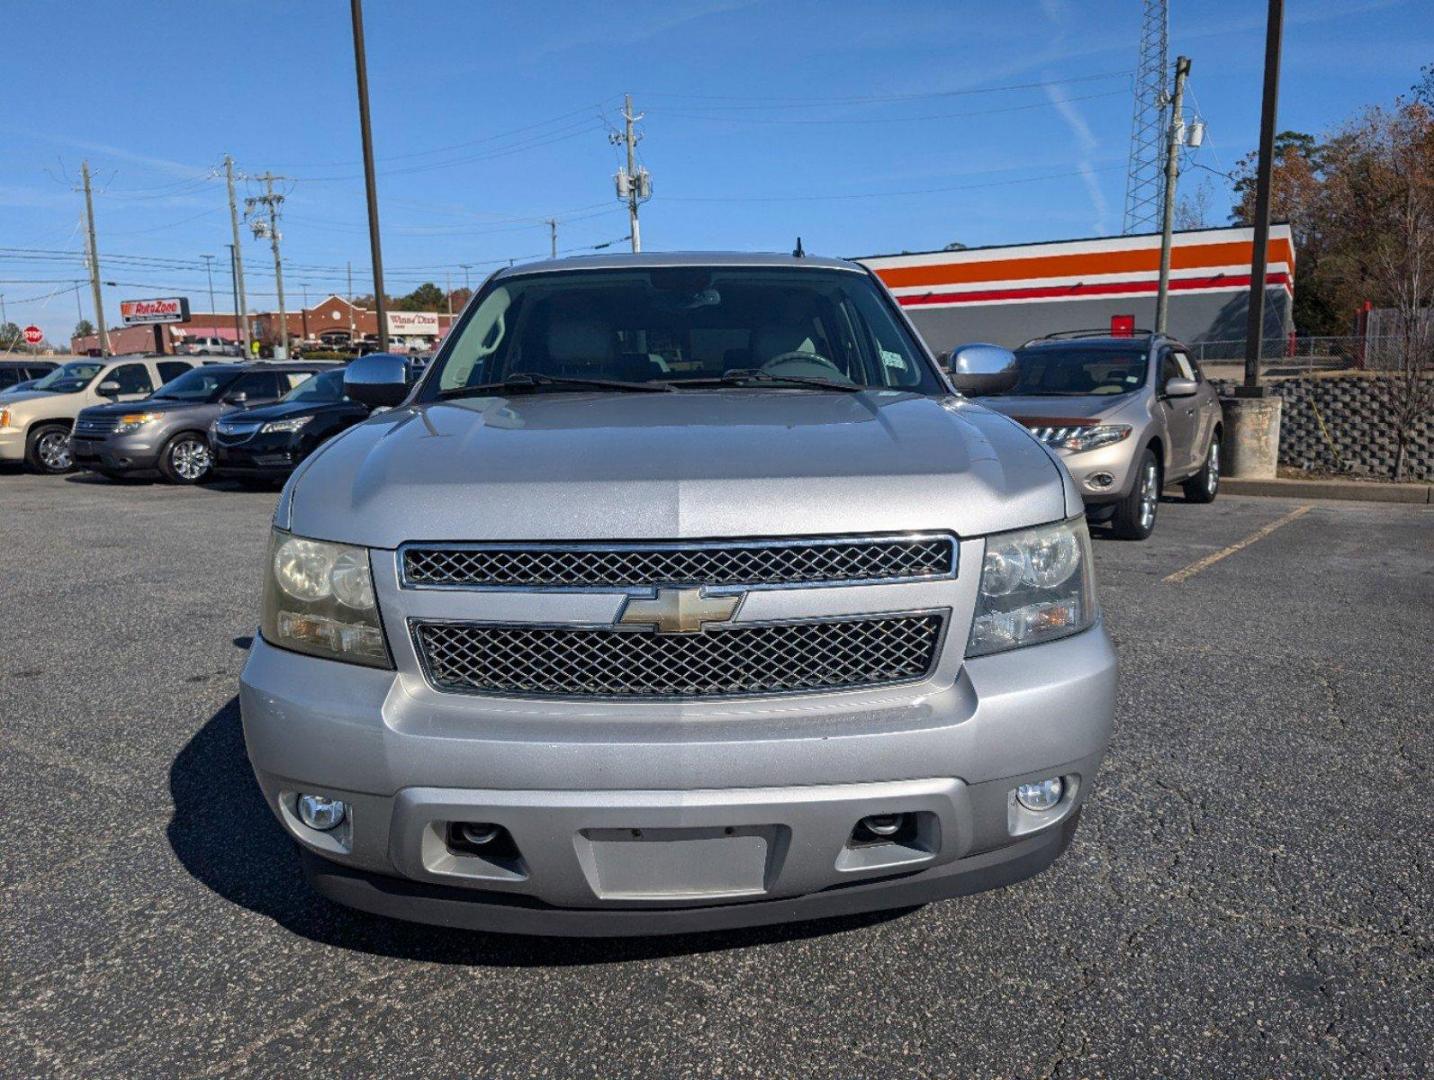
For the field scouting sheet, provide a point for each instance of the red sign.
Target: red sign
(34, 335)
(165, 310)
(1122, 326)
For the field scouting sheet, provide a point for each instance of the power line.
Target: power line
(865, 99)
(886, 194)
(844, 121)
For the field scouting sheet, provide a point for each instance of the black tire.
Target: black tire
(1205, 484)
(1134, 517)
(186, 458)
(47, 449)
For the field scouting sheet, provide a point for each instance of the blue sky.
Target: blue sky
(992, 123)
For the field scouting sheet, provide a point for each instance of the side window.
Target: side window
(291, 379)
(1187, 371)
(132, 379)
(171, 369)
(9, 376)
(1169, 369)
(258, 385)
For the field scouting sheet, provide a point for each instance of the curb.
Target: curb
(1353, 490)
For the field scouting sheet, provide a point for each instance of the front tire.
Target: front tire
(1135, 514)
(1205, 484)
(47, 450)
(186, 458)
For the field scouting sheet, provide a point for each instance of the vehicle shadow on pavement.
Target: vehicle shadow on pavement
(225, 836)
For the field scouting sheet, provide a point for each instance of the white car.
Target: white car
(35, 423)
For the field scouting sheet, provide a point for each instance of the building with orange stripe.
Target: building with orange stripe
(1009, 295)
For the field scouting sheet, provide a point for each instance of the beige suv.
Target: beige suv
(35, 423)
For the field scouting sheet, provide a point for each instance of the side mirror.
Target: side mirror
(1180, 387)
(236, 399)
(109, 388)
(378, 379)
(978, 369)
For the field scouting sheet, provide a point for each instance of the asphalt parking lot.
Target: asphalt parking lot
(1250, 893)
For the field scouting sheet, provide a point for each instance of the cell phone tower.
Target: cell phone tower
(1145, 178)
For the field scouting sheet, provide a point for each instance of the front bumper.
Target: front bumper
(115, 453)
(261, 455)
(12, 446)
(1091, 468)
(767, 791)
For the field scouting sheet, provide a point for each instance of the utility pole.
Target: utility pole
(304, 311)
(241, 314)
(467, 284)
(271, 201)
(370, 185)
(100, 330)
(234, 285)
(209, 273)
(448, 288)
(634, 185)
(1255, 326)
(1173, 140)
(351, 301)
(553, 236)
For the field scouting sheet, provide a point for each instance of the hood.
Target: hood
(281, 409)
(29, 395)
(675, 466)
(122, 408)
(1087, 408)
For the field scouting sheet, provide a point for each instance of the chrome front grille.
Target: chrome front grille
(762, 658)
(95, 425)
(710, 563)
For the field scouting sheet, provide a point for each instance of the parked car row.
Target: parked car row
(1128, 415)
(187, 422)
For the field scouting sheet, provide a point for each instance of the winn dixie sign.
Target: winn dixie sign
(413, 322)
(164, 310)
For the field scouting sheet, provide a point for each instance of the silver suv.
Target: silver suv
(681, 593)
(1128, 415)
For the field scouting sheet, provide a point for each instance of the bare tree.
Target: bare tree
(1392, 191)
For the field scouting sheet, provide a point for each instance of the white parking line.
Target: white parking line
(1209, 560)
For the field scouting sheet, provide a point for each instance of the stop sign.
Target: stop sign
(34, 335)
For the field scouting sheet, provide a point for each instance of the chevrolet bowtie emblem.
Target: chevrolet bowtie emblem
(678, 611)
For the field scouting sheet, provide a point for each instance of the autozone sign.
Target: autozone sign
(413, 322)
(164, 310)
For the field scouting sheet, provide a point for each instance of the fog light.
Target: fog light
(1041, 795)
(320, 812)
(1100, 480)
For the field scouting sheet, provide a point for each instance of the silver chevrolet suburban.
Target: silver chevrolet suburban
(681, 593)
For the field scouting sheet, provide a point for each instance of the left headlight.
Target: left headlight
(275, 426)
(1036, 586)
(134, 421)
(319, 599)
(1092, 437)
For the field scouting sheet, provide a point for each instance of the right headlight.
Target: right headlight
(319, 599)
(1036, 586)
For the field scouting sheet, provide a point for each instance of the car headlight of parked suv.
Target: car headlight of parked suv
(132, 422)
(276, 426)
(319, 599)
(1036, 586)
(1087, 437)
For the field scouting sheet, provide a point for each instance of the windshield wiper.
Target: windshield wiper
(738, 376)
(532, 382)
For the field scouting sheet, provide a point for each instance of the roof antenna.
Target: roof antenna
(799, 252)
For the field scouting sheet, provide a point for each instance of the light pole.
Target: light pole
(209, 273)
(370, 185)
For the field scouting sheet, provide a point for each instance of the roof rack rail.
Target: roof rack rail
(1103, 331)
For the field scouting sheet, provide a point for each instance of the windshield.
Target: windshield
(327, 386)
(679, 324)
(197, 384)
(1073, 371)
(69, 378)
